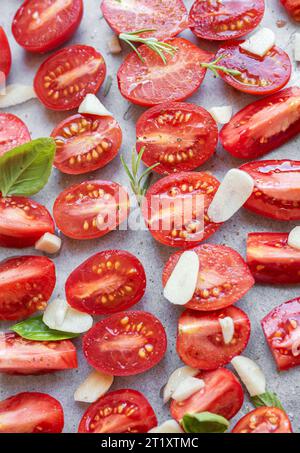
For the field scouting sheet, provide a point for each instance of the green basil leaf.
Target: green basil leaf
(25, 170)
(35, 329)
(266, 399)
(204, 422)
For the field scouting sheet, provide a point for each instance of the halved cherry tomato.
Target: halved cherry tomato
(153, 82)
(264, 420)
(13, 132)
(122, 411)
(293, 8)
(77, 208)
(179, 136)
(31, 412)
(222, 395)
(175, 208)
(43, 25)
(263, 125)
(23, 222)
(20, 356)
(5, 53)
(64, 79)
(277, 188)
(108, 282)
(126, 343)
(227, 19)
(85, 143)
(167, 18)
(282, 330)
(223, 279)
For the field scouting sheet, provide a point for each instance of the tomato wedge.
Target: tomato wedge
(277, 188)
(175, 208)
(85, 143)
(222, 395)
(40, 26)
(13, 132)
(179, 136)
(263, 125)
(31, 412)
(107, 282)
(77, 208)
(20, 356)
(122, 411)
(223, 279)
(264, 420)
(126, 343)
(227, 19)
(67, 76)
(5, 54)
(153, 82)
(293, 8)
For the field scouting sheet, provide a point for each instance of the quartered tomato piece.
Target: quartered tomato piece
(264, 420)
(43, 25)
(166, 18)
(227, 19)
(67, 76)
(13, 132)
(77, 208)
(263, 125)
(175, 208)
(5, 54)
(277, 188)
(126, 343)
(222, 395)
(179, 136)
(153, 82)
(122, 411)
(108, 282)
(31, 412)
(293, 8)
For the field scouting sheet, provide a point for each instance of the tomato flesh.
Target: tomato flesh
(5, 54)
(293, 8)
(264, 420)
(13, 132)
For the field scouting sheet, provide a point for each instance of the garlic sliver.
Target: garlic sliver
(187, 388)
(16, 94)
(221, 115)
(93, 387)
(250, 374)
(48, 243)
(91, 105)
(260, 42)
(227, 326)
(60, 316)
(294, 238)
(179, 375)
(169, 426)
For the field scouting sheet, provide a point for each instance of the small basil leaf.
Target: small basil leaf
(25, 170)
(36, 330)
(204, 422)
(266, 399)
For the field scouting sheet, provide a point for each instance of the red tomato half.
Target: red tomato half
(264, 420)
(175, 208)
(263, 125)
(222, 395)
(179, 136)
(153, 82)
(227, 19)
(85, 143)
(20, 356)
(277, 188)
(43, 25)
(106, 283)
(13, 132)
(5, 53)
(122, 411)
(126, 343)
(31, 412)
(77, 208)
(223, 279)
(67, 76)
(293, 8)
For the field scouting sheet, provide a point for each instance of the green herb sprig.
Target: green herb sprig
(215, 67)
(36, 330)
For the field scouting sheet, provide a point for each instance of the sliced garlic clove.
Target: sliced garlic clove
(55, 313)
(221, 115)
(16, 94)
(250, 374)
(227, 326)
(114, 45)
(294, 238)
(48, 243)
(179, 375)
(260, 42)
(91, 105)
(93, 387)
(169, 426)
(187, 388)
(60, 316)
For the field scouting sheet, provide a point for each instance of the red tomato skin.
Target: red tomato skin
(5, 56)
(13, 132)
(44, 414)
(243, 425)
(293, 8)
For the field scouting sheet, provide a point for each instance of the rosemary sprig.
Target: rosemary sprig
(214, 67)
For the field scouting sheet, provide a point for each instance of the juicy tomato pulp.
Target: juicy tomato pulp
(13, 132)
(264, 420)
(167, 18)
(180, 137)
(31, 412)
(222, 395)
(293, 8)
(23, 222)
(85, 143)
(277, 188)
(263, 125)
(43, 25)
(223, 279)
(5, 55)
(91, 209)
(108, 282)
(175, 208)
(282, 330)
(64, 79)
(153, 82)
(126, 343)
(20, 356)
(122, 411)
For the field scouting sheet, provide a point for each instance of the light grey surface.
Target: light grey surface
(257, 303)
